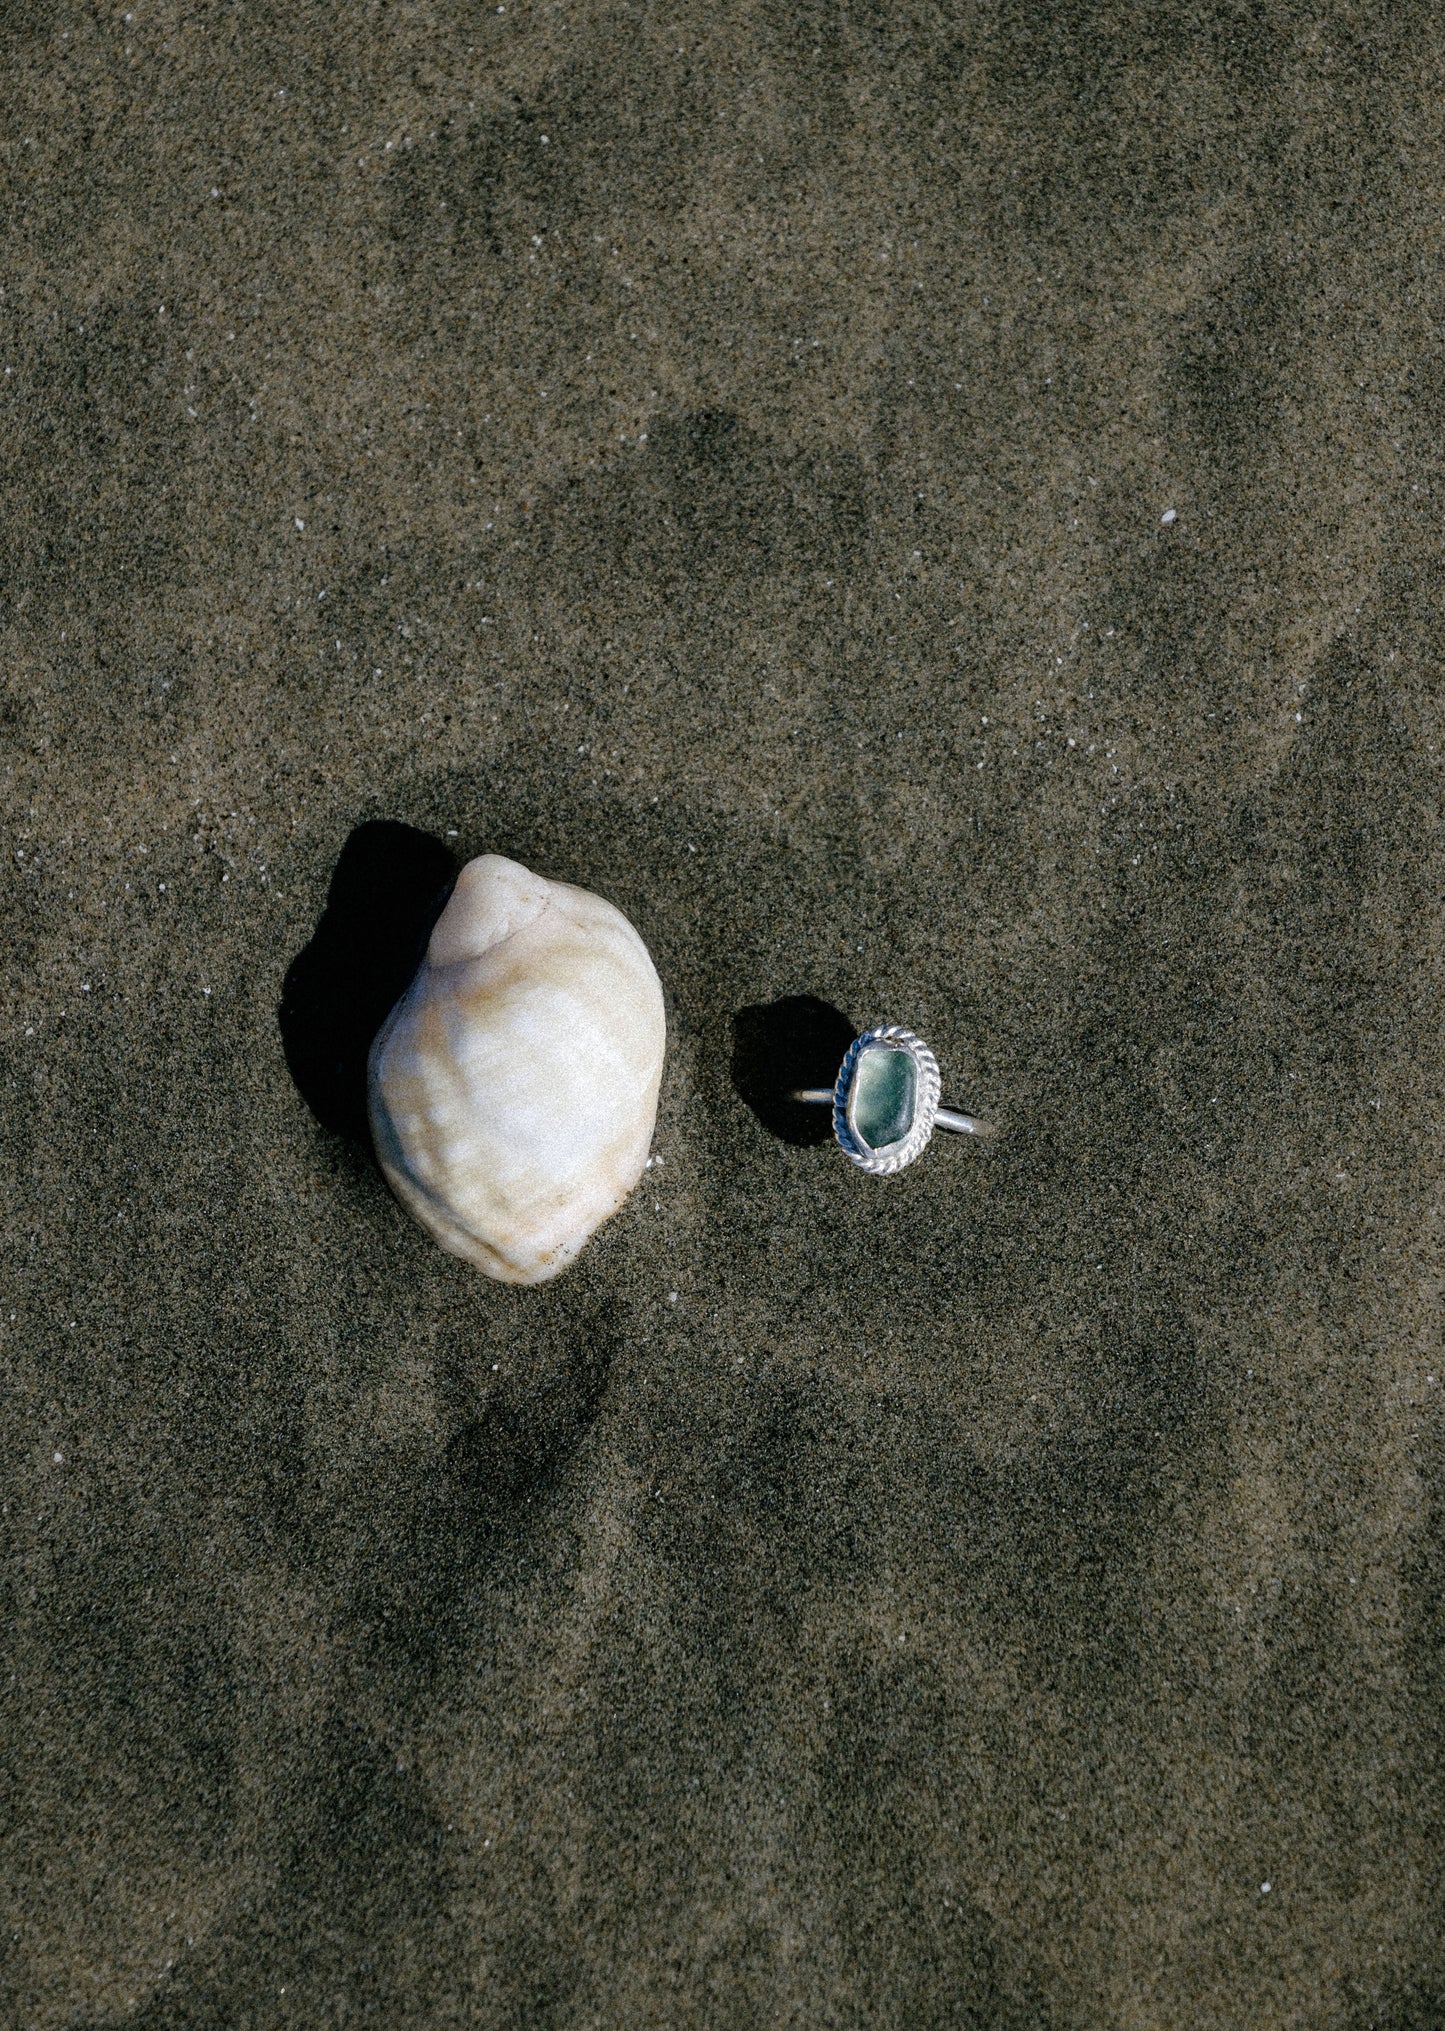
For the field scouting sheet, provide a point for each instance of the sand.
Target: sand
(935, 510)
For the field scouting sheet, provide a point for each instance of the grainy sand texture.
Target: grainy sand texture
(936, 511)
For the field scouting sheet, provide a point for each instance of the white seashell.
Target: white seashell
(513, 1088)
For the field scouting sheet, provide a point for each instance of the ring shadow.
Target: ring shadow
(781, 1045)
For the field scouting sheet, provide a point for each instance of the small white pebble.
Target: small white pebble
(60, 1459)
(1172, 515)
(1264, 1886)
(299, 523)
(672, 1297)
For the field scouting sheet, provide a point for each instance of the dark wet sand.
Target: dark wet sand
(722, 456)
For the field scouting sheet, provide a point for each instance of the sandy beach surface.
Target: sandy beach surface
(936, 511)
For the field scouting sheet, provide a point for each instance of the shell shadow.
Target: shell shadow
(390, 885)
(799, 1040)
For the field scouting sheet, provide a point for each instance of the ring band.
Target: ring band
(946, 1117)
(885, 1101)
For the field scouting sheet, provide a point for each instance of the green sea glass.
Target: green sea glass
(883, 1096)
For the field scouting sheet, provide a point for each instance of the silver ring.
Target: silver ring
(885, 1101)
